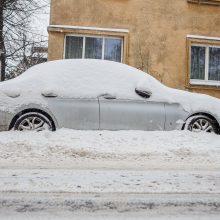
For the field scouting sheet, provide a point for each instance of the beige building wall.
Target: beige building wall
(157, 38)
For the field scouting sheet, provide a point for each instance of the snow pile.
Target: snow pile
(139, 146)
(90, 79)
(82, 79)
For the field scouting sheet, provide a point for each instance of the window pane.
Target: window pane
(93, 49)
(197, 62)
(74, 47)
(113, 49)
(214, 63)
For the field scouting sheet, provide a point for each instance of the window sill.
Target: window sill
(205, 2)
(205, 83)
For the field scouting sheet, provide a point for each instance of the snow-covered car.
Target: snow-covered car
(95, 94)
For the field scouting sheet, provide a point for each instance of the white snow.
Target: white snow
(153, 149)
(92, 78)
(109, 175)
(89, 28)
(82, 79)
(203, 37)
(109, 181)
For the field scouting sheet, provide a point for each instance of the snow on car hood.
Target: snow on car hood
(90, 79)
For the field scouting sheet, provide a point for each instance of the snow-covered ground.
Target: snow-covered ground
(110, 181)
(115, 149)
(109, 175)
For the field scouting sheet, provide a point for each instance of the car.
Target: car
(89, 94)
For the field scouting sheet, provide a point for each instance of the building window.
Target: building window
(105, 48)
(205, 65)
(74, 47)
(93, 48)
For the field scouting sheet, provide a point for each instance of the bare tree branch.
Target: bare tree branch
(17, 37)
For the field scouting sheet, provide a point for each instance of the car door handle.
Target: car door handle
(49, 94)
(108, 96)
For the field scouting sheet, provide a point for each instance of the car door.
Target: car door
(75, 113)
(122, 114)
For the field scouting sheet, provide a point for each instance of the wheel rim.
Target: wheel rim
(202, 125)
(34, 123)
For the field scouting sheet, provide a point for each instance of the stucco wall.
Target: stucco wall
(157, 31)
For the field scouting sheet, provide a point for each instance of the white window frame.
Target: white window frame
(94, 36)
(206, 81)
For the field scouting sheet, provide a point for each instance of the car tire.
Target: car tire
(33, 122)
(201, 123)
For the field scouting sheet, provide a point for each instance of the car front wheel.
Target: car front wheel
(201, 124)
(33, 122)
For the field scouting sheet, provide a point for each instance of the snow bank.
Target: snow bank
(173, 147)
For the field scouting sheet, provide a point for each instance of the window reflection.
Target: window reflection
(198, 62)
(93, 48)
(113, 49)
(214, 63)
(74, 47)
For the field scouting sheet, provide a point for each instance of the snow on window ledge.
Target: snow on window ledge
(88, 28)
(204, 83)
(199, 37)
(205, 2)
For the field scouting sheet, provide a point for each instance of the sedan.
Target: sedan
(101, 95)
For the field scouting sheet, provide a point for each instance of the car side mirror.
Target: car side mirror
(143, 94)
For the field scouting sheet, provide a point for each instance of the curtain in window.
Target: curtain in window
(93, 48)
(74, 47)
(214, 63)
(113, 49)
(198, 62)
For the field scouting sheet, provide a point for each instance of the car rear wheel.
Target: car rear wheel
(33, 122)
(201, 123)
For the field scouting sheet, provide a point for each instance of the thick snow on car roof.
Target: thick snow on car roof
(83, 78)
